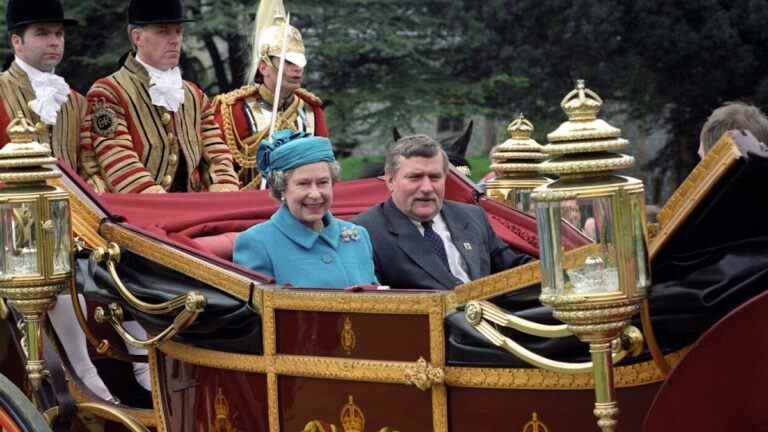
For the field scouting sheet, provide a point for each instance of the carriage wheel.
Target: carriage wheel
(17, 414)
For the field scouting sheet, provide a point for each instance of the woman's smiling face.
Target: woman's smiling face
(309, 193)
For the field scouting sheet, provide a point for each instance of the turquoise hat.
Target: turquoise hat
(287, 150)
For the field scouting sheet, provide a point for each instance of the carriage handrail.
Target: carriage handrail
(630, 342)
(497, 315)
(102, 346)
(110, 257)
(194, 304)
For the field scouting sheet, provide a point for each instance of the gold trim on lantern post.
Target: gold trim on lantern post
(597, 297)
(36, 237)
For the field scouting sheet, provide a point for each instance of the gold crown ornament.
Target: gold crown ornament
(520, 154)
(585, 144)
(352, 418)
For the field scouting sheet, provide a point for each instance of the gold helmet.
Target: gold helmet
(267, 40)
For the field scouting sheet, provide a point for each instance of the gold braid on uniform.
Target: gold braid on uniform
(250, 145)
(231, 137)
(244, 151)
(308, 96)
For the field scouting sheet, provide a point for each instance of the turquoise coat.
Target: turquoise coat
(339, 256)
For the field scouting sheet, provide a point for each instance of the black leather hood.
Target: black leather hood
(226, 324)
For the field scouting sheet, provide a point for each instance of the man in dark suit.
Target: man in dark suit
(420, 240)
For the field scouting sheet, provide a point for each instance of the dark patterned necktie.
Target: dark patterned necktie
(435, 243)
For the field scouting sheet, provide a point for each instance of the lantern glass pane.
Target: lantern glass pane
(62, 238)
(20, 242)
(550, 249)
(639, 245)
(523, 201)
(595, 272)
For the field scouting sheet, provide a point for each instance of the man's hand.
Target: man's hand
(223, 187)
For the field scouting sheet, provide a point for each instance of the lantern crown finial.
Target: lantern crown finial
(24, 160)
(520, 153)
(584, 145)
(21, 130)
(581, 104)
(520, 128)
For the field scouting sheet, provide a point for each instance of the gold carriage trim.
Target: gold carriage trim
(694, 189)
(396, 372)
(157, 399)
(85, 221)
(227, 281)
(540, 379)
(373, 303)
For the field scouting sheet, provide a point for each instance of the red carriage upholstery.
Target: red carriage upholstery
(720, 384)
(204, 223)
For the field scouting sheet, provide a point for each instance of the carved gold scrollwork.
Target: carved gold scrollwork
(348, 339)
(535, 425)
(423, 375)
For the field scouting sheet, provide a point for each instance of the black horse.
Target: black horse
(455, 148)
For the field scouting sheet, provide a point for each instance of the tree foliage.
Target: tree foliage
(379, 63)
(672, 61)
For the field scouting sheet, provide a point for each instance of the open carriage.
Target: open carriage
(230, 351)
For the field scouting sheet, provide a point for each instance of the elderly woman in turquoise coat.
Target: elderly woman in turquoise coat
(303, 244)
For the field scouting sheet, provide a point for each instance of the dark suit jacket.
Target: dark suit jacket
(403, 258)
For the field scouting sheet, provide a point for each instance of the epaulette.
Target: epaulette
(309, 97)
(230, 97)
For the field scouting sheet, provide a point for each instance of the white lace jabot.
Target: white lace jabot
(166, 88)
(51, 92)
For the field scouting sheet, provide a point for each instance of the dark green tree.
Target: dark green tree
(673, 61)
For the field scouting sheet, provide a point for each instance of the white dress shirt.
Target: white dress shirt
(455, 261)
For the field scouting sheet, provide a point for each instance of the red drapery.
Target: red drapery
(181, 218)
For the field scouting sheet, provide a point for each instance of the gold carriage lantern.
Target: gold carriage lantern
(516, 162)
(36, 261)
(598, 294)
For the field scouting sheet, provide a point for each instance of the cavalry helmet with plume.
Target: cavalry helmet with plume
(267, 38)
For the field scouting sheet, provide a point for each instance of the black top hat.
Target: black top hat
(142, 12)
(23, 12)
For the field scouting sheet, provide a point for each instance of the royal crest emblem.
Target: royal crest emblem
(104, 119)
(221, 407)
(348, 339)
(535, 425)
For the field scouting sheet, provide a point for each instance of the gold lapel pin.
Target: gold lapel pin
(468, 246)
